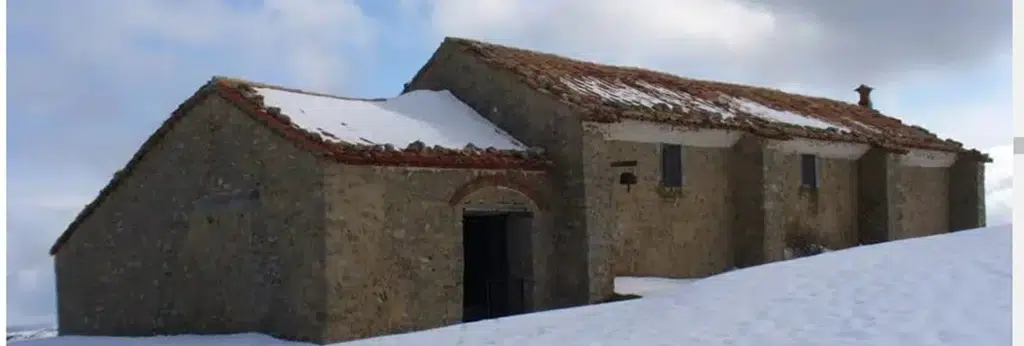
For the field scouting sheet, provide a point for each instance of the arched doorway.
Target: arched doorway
(497, 222)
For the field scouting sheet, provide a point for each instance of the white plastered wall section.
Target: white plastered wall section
(651, 132)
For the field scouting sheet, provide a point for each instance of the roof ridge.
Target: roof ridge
(470, 41)
(234, 81)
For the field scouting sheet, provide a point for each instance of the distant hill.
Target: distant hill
(30, 332)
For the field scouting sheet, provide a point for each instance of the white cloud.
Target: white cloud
(308, 38)
(655, 27)
(628, 32)
(812, 47)
(764, 42)
(137, 50)
(999, 185)
(28, 280)
(981, 124)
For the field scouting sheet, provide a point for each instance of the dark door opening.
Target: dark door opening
(492, 285)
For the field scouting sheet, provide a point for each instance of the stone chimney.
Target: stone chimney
(865, 95)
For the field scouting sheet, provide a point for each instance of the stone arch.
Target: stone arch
(500, 180)
(502, 210)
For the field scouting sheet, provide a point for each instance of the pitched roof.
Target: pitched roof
(606, 93)
(431, 117)
(355, 131)
(444, 139)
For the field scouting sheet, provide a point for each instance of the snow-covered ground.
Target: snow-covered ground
(951, 289)
(29, 333)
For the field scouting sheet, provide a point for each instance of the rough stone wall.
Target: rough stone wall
(829, 212)
(599, 183)
(747, 178)
(673, 233)
(922, 202)
(966, 195)
(394, 245)
(899, 201)
(876, 196)
(162, 256)
(539, 120)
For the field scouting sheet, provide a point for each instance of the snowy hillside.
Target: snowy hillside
(28, 333)
(952, 289)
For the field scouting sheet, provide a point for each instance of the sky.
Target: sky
(89, 81)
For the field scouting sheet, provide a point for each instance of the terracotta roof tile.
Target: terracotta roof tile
(605, 93)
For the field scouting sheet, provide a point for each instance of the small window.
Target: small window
(671, 165)
(809, 171)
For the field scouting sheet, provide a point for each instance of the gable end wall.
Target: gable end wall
(160, 256)
(540, 121)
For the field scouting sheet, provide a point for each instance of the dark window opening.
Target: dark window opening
(809, 171)
(671, 165)
(491, 289)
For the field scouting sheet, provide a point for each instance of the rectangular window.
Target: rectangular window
(809, 171)
(671, 165)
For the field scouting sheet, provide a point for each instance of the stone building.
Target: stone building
(501, 181)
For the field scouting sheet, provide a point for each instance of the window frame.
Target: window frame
(677, 178)
(814, 182)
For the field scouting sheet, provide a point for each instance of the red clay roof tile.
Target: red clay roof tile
(605, 93)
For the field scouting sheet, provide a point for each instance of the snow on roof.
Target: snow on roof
(622, 93)
(595, 90)
(648, 95)
(950, 289)
(432, 117)
(787, 117)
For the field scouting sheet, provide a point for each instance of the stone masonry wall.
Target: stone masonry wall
(684, 233)
(966, 195)
(830, 211)
(876, 192)
(162, 256)
(599, 182)
(922, 202)
(902, 201)
(747, 178)
(394, 245)
(538, 120)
